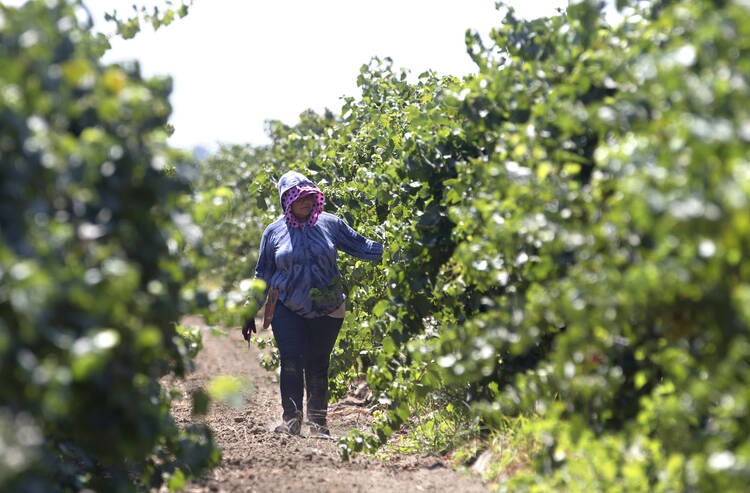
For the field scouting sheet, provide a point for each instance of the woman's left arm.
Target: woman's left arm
(353, 243)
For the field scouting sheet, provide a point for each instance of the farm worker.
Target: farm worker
(306, 306)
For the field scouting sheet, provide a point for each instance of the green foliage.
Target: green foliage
(230, 390)
(89, 266)
(566, 237)
(272, 359)
(130, 27)
(437, 426)
(193, 341)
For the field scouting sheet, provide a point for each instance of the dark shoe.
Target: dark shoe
(290, 427)
(319, 430)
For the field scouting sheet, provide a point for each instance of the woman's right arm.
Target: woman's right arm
(266, 265)
(264, 269)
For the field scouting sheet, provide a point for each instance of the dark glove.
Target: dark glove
(249, 326)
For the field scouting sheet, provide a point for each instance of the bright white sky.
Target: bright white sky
(238, 63)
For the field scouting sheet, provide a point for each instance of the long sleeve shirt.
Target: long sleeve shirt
(301, 262)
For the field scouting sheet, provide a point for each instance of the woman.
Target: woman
(298, 258)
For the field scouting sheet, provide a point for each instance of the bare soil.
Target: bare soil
(255, 459)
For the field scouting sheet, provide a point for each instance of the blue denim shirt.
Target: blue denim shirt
(301, 262)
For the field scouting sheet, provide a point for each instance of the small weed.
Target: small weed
(436, 427)
(507, 452)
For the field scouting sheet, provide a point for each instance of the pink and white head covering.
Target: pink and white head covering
(297, 192)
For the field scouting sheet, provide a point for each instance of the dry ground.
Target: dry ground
(255, 459)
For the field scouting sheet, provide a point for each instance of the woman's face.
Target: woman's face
(302, 207)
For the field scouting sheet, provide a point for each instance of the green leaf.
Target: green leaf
(379, 309)
(177, 481)
(389, 347)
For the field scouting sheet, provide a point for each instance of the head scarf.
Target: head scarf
(297, 192)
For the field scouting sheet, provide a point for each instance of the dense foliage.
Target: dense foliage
(566, 236)
(90, 271)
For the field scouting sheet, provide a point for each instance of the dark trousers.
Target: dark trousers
(305, 346)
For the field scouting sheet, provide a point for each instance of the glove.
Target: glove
(249, 326)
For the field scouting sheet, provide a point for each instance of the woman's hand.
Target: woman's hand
(247, 328)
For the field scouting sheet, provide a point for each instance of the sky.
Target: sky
(237, 63)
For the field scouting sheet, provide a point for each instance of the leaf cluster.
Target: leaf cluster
(129, 27)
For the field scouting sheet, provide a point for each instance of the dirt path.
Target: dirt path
(255, 459)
